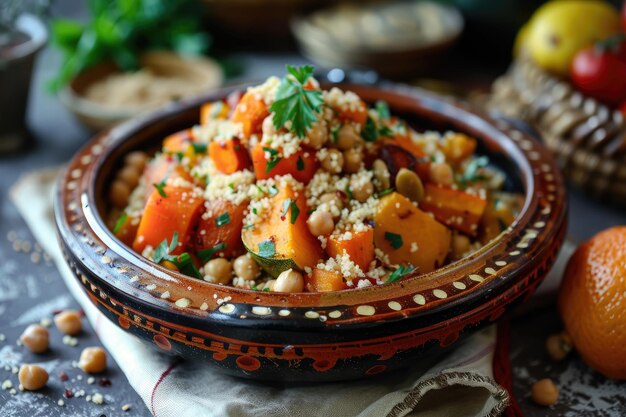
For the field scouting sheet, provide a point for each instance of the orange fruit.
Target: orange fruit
(592, 301)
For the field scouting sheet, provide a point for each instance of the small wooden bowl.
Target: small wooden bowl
(203, 72)
(312, 336)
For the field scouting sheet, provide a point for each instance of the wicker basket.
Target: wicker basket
(586, 137)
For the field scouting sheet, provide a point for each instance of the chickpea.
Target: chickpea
(268, 126)
(317, 135)
(441, 173)
(333, 161)
(130, 175)
(410, 185)
(347, 137)
(381, 173)
(460, 245)
(329, 198)
(269, 285)
(32, 377)
(544, 392)
(218, 270)
(136, 159)
(361, 190)
(35, 338)
(68, 322)
(559, 346)
(352, 160)
(119, 193)
(321, 223)
(289, 281)
(93, 360)
(245, 267)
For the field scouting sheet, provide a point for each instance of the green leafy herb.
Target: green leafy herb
(119, 30)
(223, 219)
(334, 132)
(207, 254)
(180, 156)
(385, 192)
(272, 190)
(120, 223)
(472, 170)
(162, 252)
(370, 133)
(274, 159)
(300, 164)
(349, 192)
(400, 272)
(289, 204)
(385, 131)
(185, 264)
(267, 249)
(248, 226)
(160, 188)
(295, 104)
(383, 110)
(394, 239)
(231, 186)
(261, 190)
(199, 147)
(254, 210)
(266, 289)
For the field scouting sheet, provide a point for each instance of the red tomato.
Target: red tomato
(601, 73)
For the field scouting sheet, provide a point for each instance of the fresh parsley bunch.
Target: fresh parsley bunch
(120, 29)
(294, 103)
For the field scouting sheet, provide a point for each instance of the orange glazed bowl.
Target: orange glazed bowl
(313, 336)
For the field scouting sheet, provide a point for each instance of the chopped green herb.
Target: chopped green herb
(349, 192)
(274, 159)
(295, 211)
(294, 103)
(120, 222)
(334, 132)
(248, 226)
(394, 239)
(472, 171)
(223, 219)
(300, 164)
(185, 264)
(199, 147)
(160, 188)
(370, 133)
(400, 272)
(385, 192)
(272, 190)
(180, 156)
(163, 251)
(254, 210)
(266, 289)
(261, 190)
(385, 131)
(383, 110)
(231, 186)
(286, 205)
(267, 249)
(206, 254)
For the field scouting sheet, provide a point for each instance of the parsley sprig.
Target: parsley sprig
(295, 104)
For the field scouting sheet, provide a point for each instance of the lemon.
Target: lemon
(561, 28)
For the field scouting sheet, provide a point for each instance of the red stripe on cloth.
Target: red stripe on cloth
(161, 378)
(502, 368)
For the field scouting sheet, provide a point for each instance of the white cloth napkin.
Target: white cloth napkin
(459, 383)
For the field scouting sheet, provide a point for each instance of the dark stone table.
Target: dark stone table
(31, 289)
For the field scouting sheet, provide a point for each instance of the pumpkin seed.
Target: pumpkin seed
(410, 185)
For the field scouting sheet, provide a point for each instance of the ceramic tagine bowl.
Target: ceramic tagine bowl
(313, 336)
